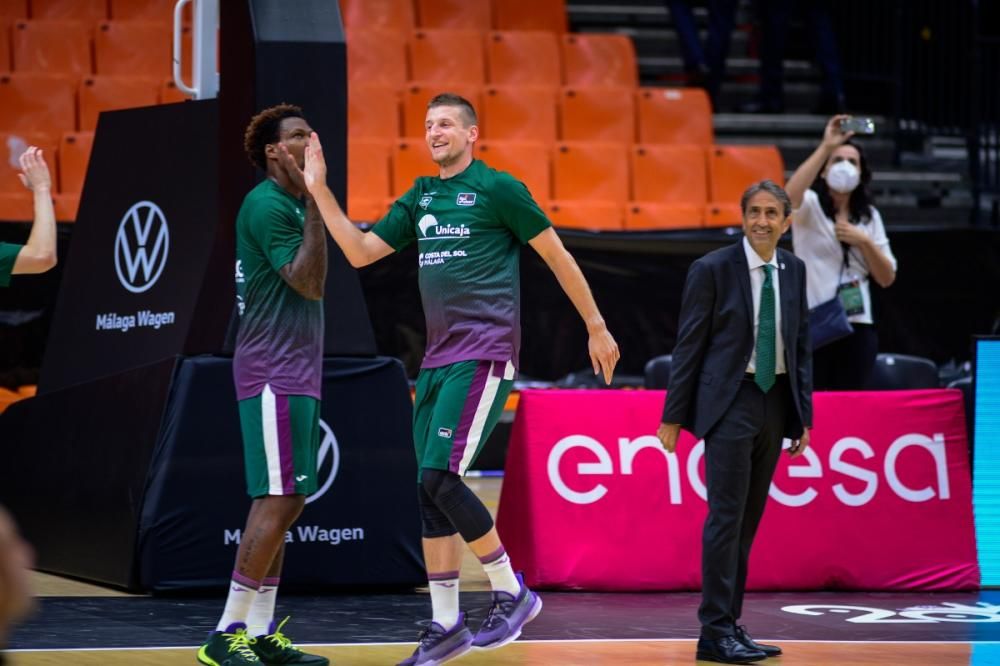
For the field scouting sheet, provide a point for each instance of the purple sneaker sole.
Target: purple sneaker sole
(536, 608)
(451, 649)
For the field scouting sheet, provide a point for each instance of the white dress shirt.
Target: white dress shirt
(815, 242)
(756, 266)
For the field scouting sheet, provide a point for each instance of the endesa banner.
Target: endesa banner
(880, 501)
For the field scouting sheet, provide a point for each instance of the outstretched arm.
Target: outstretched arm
(805, 175)
(39, 253)
(604, 352)
(360, 248)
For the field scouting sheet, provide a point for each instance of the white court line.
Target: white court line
(555, 640)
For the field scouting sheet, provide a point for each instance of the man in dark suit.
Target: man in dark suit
(742, 380)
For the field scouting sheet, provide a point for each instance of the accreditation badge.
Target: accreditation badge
(850, 297)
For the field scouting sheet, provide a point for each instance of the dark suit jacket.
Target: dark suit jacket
(715, 339)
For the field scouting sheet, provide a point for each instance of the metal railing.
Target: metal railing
(932, 67)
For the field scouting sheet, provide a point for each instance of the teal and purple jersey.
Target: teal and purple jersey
(469, 230)
(8, 255)
(280, 338)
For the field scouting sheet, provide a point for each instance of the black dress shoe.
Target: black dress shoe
(743, 637)
(727, 650)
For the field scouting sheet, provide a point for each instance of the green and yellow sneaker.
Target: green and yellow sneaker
(231, 647)
(276, 649)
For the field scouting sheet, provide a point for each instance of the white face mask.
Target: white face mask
(843, 177)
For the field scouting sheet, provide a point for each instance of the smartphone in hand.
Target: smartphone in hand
(857, 125)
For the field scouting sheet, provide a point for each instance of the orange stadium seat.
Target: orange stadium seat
(649, 216)
(455, 14)
(599, 60)
(133, 48)
(586, 215)
(37, 102)
(597, 114)
(519, 113)
(170, 93)
(377, 57)
(669, 174)
(523, 57)
(8, 398)
(372, 112)
(107, 93)
(378, 14)
(74, 155)
(410, 159)
(74, 10)
(447, 55)
(416, 96)
(595, 171)
(4, 44)
(530, 15)
(12, 144)
(529, 162)
(731, 170)
(14, 9)
(52, 46)
(368, 174)
(674, 115)
(16, 206)
(146, 10)
(66, 206)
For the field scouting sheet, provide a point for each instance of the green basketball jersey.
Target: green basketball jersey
(8, 255)
(469, 230)
(280, 338)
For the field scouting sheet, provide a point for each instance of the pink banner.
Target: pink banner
(882, 500)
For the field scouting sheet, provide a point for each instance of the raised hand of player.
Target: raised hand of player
(34, 171)
(604, 353)
(315, 170)
(292, 169)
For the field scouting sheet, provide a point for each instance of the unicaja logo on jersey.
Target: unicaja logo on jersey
(141, 246)
(441, 230)
(426, 222)
(327, 462)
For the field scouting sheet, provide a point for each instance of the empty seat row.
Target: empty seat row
(541, 113)
(54, 104)
(89, 10)
(132, 48)
(686, 178)
(463, 14)
(510, 57)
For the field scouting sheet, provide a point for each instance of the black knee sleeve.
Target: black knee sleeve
(459, 504)
(435, 523)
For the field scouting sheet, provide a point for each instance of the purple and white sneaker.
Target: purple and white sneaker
(436, 646)
(507, 617)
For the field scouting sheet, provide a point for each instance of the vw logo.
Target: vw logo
(141, 246)
(327, 462)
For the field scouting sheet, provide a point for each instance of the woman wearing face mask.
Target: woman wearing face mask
(839, 235)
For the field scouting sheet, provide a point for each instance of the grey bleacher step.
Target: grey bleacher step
(795, 150)
(800, 96)
(795, 70)
(807, 124)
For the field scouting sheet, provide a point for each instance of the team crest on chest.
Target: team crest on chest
(466, 199)
(425, 201)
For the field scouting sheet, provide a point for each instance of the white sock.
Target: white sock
(502, 578)
(242, 592)
(262, 610)
(444, 598)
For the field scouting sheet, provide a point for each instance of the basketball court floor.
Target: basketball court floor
(82, 624)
